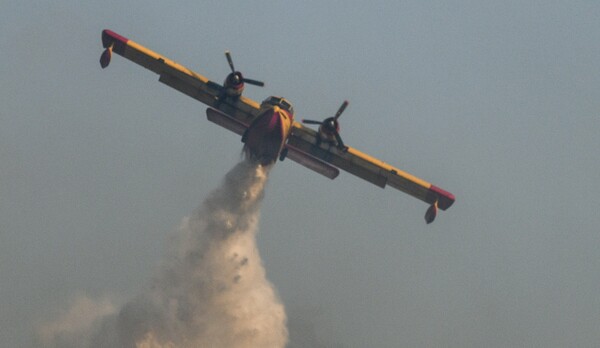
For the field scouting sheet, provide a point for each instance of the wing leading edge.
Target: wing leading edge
(236, 114)
(179, 77)
(372, 170)
(293, 153)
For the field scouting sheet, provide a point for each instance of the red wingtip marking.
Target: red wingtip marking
(109, 37)
(118, 42)
(445, 198)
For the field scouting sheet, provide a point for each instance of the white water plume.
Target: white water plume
(211, 289)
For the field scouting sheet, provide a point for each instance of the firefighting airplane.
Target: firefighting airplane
(268, 130)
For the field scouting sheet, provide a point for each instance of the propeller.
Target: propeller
(236, 77)
(330, 126)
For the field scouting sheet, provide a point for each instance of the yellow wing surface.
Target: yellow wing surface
(369, 168)
(236, 114)
(179, 77)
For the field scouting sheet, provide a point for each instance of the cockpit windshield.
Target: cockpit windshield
(280, 102)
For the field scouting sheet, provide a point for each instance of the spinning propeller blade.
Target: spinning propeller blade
(334, 118)
(330, 125)
(239, 74)
(341, 109)
(340, 143)
(254, 82)
(311, 122)
(230, 61)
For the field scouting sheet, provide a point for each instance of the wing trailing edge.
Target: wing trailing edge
(311, 162)
(226, 121)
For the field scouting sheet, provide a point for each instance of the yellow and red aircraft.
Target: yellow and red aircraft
(268, 129)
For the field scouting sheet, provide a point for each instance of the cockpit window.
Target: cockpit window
(285, 105)
(281, 102)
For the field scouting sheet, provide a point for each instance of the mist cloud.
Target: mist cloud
(211, 288)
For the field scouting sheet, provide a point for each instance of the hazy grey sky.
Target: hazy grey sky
(497, 102)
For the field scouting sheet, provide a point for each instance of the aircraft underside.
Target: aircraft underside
(265, 137)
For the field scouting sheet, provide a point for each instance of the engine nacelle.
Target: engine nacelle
(234, 84)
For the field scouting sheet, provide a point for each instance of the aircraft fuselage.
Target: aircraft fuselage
(265, 138)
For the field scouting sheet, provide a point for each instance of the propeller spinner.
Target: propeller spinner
(329, 128)
(234, 83)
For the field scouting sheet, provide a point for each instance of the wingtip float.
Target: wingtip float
(111, 41)
(105, 57)
(268, 129)
(431, 213)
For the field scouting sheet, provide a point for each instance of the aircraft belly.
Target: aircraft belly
(265, 138)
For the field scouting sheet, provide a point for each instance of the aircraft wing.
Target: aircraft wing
(294, 154)
(371, 169)
(243, 109)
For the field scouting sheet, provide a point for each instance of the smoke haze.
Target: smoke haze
(210, 291)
